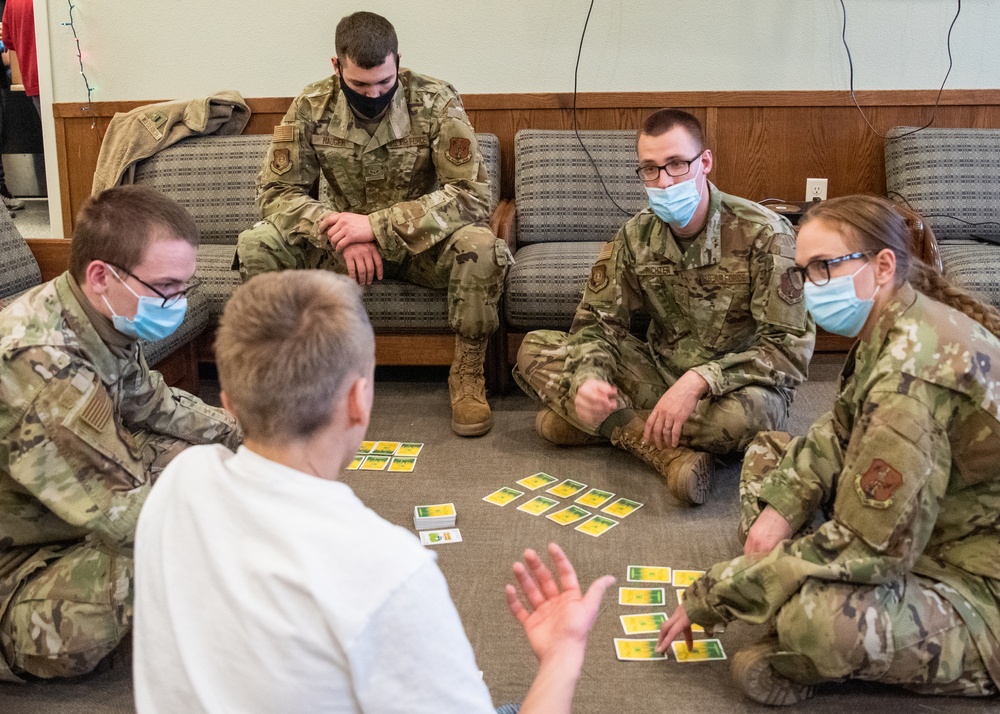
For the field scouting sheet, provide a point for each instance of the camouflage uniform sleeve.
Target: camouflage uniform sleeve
(463, 194)
(173, 412)
(805, 477)
(69, 453)
(288, 176)
(785, 334)
(896, 470)
(604, 315)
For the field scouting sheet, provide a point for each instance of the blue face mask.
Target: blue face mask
(152, 320)
(675, 204)
(836, 306)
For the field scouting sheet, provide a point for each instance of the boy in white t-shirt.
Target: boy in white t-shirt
(264, 585)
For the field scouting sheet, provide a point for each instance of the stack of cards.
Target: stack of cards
(386, 455)
(435, 517)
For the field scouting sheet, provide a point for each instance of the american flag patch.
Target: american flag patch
(284, 132)
(97, 411)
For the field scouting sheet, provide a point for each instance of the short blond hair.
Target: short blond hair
(287, 344)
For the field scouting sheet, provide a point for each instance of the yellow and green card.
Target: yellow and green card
(374, 463)
(648, 574)
(643, 624)
(538, 505)
(704, 651)
(683, 578)
(566, 489)
(641, 596)
(595, 498)
(596, 526)
(622, 507)
(568, 515)
(503, 496)
(637, 650)
(536, 481)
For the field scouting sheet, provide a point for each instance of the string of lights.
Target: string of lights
(79, 57)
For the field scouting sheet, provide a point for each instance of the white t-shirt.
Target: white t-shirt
(263, 589)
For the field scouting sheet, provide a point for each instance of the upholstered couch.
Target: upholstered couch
(213, 178)
(952, 178)
(25, 264)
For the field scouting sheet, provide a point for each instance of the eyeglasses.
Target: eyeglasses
(167, 300)
(674, 169)
(818, 271)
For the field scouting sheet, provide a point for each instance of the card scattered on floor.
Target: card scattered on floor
(683, 578)
(535, 482)
(596, 526)
(450, 535)
(643, 624)
(641, 596)
(503, 496)
(704, 651)
(568, 515)
(648, 574)
(538, 505)
(439, 515)
(637, 650)
(394, 456)
(622, 507)
(595, 498)
(566, 489)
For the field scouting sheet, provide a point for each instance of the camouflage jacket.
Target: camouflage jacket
(419, 178)
(906, 463)
(70, 410)
(721, 309)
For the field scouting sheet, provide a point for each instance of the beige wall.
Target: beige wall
(146, 49)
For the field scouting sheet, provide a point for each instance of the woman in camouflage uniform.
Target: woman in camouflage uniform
(872, 543)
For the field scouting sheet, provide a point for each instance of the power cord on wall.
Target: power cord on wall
(850, 64)
(985, 239)
(576, 130)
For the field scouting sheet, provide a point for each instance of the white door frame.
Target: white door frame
(45, 87)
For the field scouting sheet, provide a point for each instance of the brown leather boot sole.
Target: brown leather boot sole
(689, 477)
(757, 679)
(556, 430)
(477, 429)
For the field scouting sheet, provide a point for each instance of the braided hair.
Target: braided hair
(876, 224)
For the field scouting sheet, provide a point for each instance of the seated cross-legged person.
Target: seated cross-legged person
(872, 543)
(265, 585)
(86, 427)
(729, 339)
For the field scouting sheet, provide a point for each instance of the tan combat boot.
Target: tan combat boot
(758, 680)
(688, 472)
(553, 428)
(470, 414)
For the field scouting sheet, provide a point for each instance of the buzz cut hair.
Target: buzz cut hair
(288, 345)
(366, 39)
(118, 224)
(662, 121)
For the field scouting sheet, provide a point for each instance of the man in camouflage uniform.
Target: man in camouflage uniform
(873, 542)
(728, 342)
(409, 190)
(85, 426)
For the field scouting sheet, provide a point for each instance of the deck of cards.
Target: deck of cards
(434, 517)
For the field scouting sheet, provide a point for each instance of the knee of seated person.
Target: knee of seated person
(814, 642)
(530, 355)
(258, 248)
(478, 246)
(53, 639)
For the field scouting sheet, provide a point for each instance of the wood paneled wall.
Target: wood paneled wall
(765, 143)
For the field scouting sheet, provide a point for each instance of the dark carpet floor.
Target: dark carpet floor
(451, 469)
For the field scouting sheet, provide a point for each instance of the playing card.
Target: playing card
(403, 465)
(503, 496)
(449, 535)
(648, 574)
(538, 505)
(437, 510)
(641, 596)
(622, 507)
(704, 651)
(566, 489)
(643, 624)
(385, 448)
(409, 449)
(568, 515)
(374, 463)
(596, 526)
(637, 650)
(366, 447)
(683, 578)
(595, 498)
(355, 462)
(535, 482)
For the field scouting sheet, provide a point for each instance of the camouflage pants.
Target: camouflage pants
(718, 424)
(902, 632)
(65, 608)
(471, 264)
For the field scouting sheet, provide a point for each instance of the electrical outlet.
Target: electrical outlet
(815, 189)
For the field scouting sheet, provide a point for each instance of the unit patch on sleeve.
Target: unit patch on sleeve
(459, 150)
(877, 484)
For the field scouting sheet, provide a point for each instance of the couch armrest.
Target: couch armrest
(51, 254)
(506, 229)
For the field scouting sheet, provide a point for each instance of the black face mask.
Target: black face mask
(368, 107)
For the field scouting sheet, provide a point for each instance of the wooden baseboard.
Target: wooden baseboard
(414, 349)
